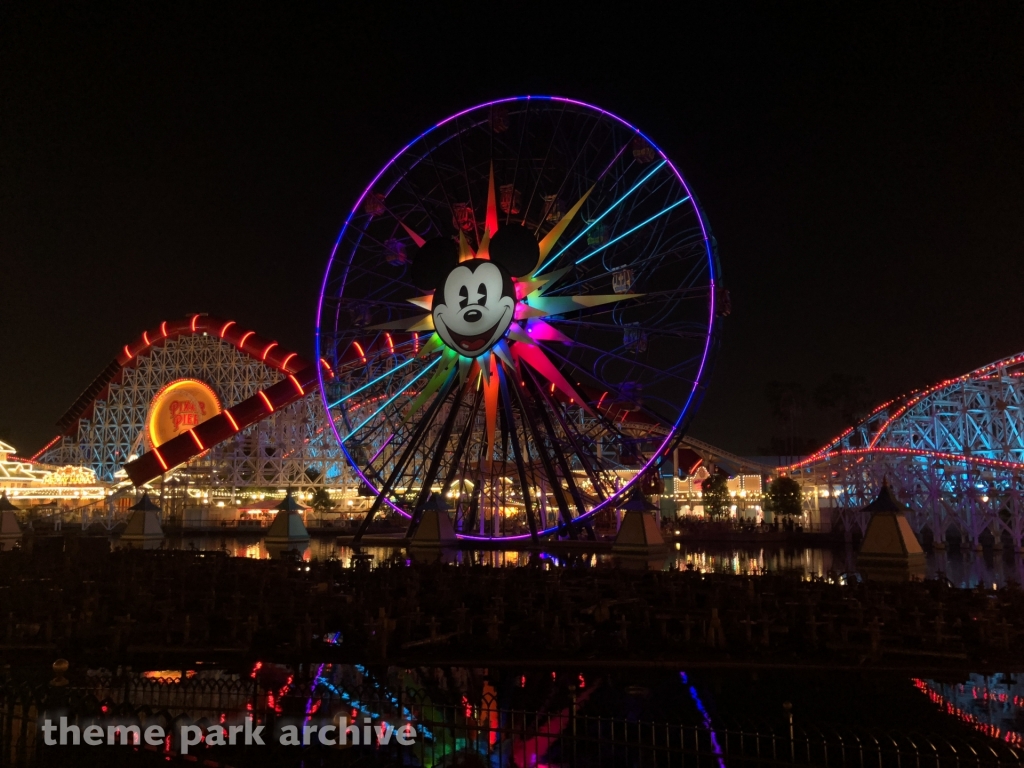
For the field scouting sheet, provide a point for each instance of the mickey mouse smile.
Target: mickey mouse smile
(475, 300)
(479, 341)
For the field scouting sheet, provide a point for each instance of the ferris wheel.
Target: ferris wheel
(518, 319)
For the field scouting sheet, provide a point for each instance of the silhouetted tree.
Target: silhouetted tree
(787, 400)
(848, 396)
(321, 502)
(715, 496)
(783, 497)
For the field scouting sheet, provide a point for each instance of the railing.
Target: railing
(482, 734)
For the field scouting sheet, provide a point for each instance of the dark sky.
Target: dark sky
(862, 169)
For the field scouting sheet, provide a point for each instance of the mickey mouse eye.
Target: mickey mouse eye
(463, 297)
(482, 294)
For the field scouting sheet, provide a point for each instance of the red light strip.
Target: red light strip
(359, 349)
(266, 400)
(196, 440)
(44, 449)
(908, 452)
(601, 400)
(163, 328)
(915, 396)
(975, 374)
(266, 351)
(145, 338)
(232, 420)
(391, 344)
(284, 365)
(160, 459)
(127, 353)
(328, 367)
(224, 328)
(297, 385)
(241, 344)
(1010, 737)
(194, 319)
(415, 342)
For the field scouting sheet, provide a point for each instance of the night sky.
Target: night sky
(862, 170)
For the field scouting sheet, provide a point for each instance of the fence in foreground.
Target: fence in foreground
(445, 734)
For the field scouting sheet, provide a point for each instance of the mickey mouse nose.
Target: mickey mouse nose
(473, 316)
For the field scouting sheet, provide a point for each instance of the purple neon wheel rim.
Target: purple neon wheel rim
(707, 346)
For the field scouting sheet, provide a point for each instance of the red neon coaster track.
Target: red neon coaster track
(299, 379)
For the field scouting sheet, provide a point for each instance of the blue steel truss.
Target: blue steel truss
(953, 452)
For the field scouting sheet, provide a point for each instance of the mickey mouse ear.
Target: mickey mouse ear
(433, 261)
(516, 249)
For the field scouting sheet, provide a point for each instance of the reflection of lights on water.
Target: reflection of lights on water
(166, 675)
(706, 718)
(989, 729)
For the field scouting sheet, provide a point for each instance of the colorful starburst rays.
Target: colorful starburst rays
(520, 343)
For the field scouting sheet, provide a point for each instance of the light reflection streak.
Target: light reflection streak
(706, 718)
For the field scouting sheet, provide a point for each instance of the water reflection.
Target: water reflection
(966, 569)
(806, 562)
(991, 704)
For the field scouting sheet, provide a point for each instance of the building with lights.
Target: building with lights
(47, 488)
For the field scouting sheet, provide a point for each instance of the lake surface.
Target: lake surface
(963, 569)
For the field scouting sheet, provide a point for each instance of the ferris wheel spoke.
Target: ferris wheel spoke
(570, 480)
(636, 228)
(440, 183)
(421, 205)
(614, 160)
(519, 155)
(465, 176)
(517, 451)
(568, 173)
(586, 459)
(686, 285)
(553, 480)
(606, 354)
(371, 383)
(554, 258)
(390, 400)
(462, 444)
(440, 446)
(463, 477)
(410, 449)
(655, 331)
(543, 167)
(393, 286)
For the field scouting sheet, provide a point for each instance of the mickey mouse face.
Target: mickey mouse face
(475, 301)
(475, 307)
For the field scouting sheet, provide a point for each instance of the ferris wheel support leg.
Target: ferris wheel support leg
(460, 449)
(577, 448)
(556, 487)
(435, 461)
(400, 465)
(517, 450)
(478, 490)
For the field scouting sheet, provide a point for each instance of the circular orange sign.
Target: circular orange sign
(178, 407)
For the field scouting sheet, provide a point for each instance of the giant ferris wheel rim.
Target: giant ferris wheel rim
(711, 335)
